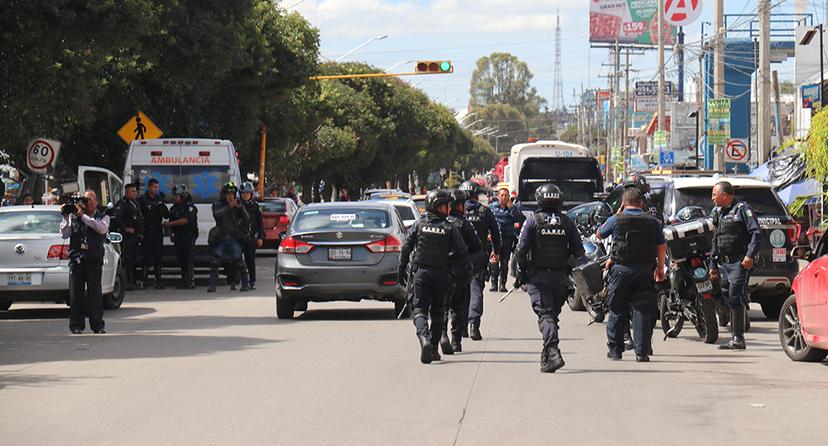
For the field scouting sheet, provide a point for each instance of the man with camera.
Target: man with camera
(154, 210)
(85, 227)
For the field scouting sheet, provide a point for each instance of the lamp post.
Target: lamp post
(398, 64)
(377, 37)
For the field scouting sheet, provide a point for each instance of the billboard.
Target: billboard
(626, 22)
(718, 121)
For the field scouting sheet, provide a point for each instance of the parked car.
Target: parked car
(419, 200)
(340, 251)
(277, 214)
(34, 259)
(803, 321)
(407, 209)
(385, 194)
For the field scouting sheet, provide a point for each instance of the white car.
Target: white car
(34, 259)
(407, 208)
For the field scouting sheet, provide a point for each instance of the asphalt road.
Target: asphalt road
(185, 367)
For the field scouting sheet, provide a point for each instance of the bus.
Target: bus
(569, 166)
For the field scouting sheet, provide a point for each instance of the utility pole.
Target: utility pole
(680, 63)
(661, 117)
(780, 135)
(625, 138)
(763, 119)
(262, 153)
(718, 73)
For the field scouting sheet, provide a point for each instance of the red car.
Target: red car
(277, 214)
(803, 321)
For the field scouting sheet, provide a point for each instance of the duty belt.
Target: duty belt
(732, 259)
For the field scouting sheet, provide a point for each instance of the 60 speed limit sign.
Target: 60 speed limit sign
(42, 154)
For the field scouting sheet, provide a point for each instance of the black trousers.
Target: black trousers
(184, 244)
(85, 288)
(430, 288)
(151, 251)
(129, 253)
(631, 290)
(458, 304)
(547, 291)
(250, 259)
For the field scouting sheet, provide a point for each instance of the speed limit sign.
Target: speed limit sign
(41, 155)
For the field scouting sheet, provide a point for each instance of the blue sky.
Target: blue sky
(465, 30)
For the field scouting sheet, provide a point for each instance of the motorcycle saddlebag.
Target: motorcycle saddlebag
(684, 238)
(589, 277)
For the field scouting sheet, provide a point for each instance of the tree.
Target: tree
(570, 134)
(502, 78)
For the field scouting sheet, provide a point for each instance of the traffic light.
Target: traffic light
(434, 67)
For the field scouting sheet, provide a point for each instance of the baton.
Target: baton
(507, 294)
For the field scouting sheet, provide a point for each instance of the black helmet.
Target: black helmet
(689, 213)
(247, 186)
(458, 196)
(549, 197)
(229, 187)
(639, 182)
(435, 199)
(180, 189)
(471, 188)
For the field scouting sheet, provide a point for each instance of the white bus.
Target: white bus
(569, 166)
(204, 165)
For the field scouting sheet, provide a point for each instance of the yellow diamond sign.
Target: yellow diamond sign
(139, 126)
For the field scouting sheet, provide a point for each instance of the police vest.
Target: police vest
(477, 218)
(433, 243)
(732, 236)
(551, 248)
(84, 242)
(636, 239)
(184, 210)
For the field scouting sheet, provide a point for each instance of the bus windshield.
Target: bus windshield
(578, 178)
(204, 182)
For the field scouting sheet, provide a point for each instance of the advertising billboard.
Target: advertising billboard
(626, 22)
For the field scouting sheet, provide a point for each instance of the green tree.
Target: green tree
(570, 134)
(502, 78)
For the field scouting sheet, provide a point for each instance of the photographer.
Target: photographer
(154, 210)
(85, 227)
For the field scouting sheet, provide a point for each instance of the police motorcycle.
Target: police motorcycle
(590, 280)
(692, 295)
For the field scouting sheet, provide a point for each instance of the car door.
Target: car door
(108, 186)
(812, 293)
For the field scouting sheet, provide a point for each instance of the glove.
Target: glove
(520, 279)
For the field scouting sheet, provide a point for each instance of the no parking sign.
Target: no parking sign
(41, 155)
(736, 151)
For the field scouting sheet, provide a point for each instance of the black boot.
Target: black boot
(435, 354)
(737, 329)
(494, 286)
(474, 331)
(503, 286)
(554, 360)
(445, 345)
(465, 332)
(425, 350)
(456, 344)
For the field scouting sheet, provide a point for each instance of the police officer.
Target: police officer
(255, 236)
(507, 216)
(485, 225)
(130, 224)
(735, 244)
(640, 182)
(228, 236)
(460, 278)
(432, 239)
(85, 226)
(183, 225)
(636, 261)
(153, 210)
(547, 242)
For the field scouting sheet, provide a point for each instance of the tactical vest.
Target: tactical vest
(732, 236)
(551, 243)
(635, 239)
(84, 235)
(477, 218)
(433, 243)
(181, 211)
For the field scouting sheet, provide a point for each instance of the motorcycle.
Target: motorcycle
(590, 282)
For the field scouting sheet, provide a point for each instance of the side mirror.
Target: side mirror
(115, 237)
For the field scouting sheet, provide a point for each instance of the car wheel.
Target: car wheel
(772, 307)
(113, 300)
(285, 308)
(5, 305)
(401, 309)
(790, 335)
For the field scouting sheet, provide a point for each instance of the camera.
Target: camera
(69, 204)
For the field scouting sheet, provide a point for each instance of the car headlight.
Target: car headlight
(700, 272)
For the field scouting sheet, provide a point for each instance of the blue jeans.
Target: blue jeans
(734, 280)
(228, 251)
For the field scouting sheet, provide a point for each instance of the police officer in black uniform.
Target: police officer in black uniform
(735, 245)
(461, 276)
(85, 226)
(130, 224)
(434, 242)
(228, 236)
(485, 224)
(640, 182)
(255, 236)
(154, 210)
(548, 240)
(183, 225)
(636, 263)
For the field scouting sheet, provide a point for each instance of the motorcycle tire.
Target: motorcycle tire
(667, 323)
(574, 300)
(709, 321)
(723, 312)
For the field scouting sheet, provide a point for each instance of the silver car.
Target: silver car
(340, 251)
(34, 259)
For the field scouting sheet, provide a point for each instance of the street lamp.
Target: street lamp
(377, 37)
(806, 39)
(399, 63)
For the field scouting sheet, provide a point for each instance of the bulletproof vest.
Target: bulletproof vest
(635, 239)
(84, 235)
(253, 213)
(477, 217)
(551, 244)
(433, 243)
(732, 235)
(151, 211)
(186, 209)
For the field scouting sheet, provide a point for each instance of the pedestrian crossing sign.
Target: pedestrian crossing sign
(139, 126)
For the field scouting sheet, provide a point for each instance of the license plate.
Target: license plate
(339, 253)
(704, 287)
(19, 279)
(780, 255)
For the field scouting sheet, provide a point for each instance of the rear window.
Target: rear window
(578, 178)
(762, 200)
(35, 222)
(341, 219)
(204, 182)
(273, 206)
(406, 212)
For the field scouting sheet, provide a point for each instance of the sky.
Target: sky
(464, 30)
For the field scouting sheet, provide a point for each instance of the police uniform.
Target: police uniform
(484, 223)
(432, 239)
(86, 255)
(256, 232)
(547, 242)
(153, 210)
(737, 236)
(127, 214)
(184, 238)
(506, 218)
(230, 232)
(636, 238)
(461, 276)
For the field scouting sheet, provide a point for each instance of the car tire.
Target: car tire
(5, 304)
(113, 300)
(772, 307)
(285, 309)
(790, 335)
(401, 309)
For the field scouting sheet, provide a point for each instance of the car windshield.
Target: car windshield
(762, 200)
(34, 222)
(204, 182)
(273, 206)
(341, 218)
(406, 212)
